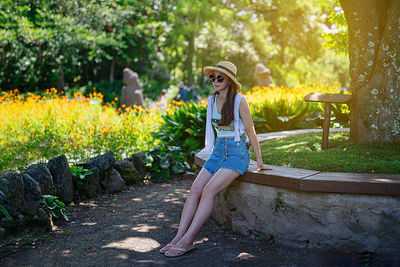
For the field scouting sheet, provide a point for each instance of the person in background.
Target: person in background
(162, 100)
(192, 93)
(182, 94)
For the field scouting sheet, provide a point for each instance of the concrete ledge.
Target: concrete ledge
(353, 212)
(315, 181)
(353, 223)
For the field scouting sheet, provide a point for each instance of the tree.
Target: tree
(374, 50)
(44, 43)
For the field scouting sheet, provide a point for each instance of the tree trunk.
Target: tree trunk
(3, 54)
(189, 59)
(60, 80)
(374, 51)
(282, 54)
(112, 69)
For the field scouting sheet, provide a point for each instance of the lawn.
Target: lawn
(304, 151)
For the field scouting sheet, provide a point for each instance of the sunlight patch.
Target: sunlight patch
(122, 257)
(382, 180)
(66, 252)
(138, 244)
(171, 199)
(244, 255)
(89, 223)
(144, 228)
(291, 145)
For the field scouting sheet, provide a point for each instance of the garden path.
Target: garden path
(129, 228)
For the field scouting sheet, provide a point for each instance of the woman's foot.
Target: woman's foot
(166, 248)
(179, 249)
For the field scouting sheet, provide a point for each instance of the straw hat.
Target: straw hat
(261, 69)
(227, 68)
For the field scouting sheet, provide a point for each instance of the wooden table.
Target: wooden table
(328, 99)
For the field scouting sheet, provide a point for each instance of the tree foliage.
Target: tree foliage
(45, 42)
(70, 43)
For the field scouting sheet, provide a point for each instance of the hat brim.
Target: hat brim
(208, 70)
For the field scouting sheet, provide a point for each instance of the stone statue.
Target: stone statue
(263, 75)
(131, 93)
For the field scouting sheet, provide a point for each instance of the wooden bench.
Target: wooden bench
(328, 99)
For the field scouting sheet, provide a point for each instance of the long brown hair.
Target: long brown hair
(227, 108)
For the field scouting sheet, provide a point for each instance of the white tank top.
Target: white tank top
(224, 131)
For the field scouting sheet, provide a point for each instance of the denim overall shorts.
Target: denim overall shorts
(228, 154)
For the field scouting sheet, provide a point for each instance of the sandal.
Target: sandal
(180, 250)
(166, 248)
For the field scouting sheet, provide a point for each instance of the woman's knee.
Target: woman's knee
(195, 190)
(208, 191)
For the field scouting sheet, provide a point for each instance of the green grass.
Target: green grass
(304, 151)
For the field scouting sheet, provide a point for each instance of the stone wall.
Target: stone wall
(347, 222)
(21, 194)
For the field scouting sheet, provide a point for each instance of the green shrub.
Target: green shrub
(280, 116)
(80, 174)
(181, 135)
(5, 212)
(184, 127)
(56, 207)
(161, 161)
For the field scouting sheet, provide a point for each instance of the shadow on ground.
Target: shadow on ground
(129, 228)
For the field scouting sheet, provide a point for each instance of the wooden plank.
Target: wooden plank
(357, 183)
(283, 177)
(327, 98)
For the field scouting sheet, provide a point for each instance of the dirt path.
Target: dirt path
(129, 228)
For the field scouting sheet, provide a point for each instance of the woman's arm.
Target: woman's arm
(245, 115)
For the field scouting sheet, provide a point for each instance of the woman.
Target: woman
(229, 113)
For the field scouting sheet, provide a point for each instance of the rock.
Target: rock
(131, 94)
(112, 182)
(20, 220)
(32, 194)
(7, 223)
(263, 75)
(12, 188)
(41, 174)
(44, 218)
(91, 184)
(2, 232)
(138, 160)
(128, 172)
(62, 177)
(102, 162)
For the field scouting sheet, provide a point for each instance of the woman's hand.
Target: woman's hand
(262, 167)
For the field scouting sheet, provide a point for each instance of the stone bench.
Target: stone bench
(306, 208)
(315, 181)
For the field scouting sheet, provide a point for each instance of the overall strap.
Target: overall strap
(238, 98)
(209, 138)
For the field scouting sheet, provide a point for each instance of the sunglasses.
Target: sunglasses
(219, 78)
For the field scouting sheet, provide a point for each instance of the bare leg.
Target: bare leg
(222, 179)
(191, 203)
